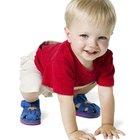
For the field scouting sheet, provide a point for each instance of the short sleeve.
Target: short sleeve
(107, 70)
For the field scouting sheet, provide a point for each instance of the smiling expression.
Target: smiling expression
(88, 41)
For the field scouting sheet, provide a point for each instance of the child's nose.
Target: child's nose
(93, 43)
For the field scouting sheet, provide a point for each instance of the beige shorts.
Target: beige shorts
(30, 77)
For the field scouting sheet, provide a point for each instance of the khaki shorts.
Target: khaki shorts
(30, 77)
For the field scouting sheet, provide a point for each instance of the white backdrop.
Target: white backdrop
(24, 24)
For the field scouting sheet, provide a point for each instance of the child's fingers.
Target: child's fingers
(109, 134)
(92, 136)
(97, 132)
(87, 136)
(115, 134)
(120, 132)
(104, 135)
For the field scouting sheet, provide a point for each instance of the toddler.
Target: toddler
(73, 68)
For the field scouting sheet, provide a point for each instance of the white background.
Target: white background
(24, 24)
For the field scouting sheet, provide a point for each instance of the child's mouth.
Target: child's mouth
(91, 53)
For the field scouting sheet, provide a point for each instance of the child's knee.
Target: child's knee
(31, 96)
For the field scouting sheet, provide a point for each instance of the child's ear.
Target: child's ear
(67, 32)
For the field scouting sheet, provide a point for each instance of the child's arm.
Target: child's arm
(69, 119)
(107, 109)
(107, 104)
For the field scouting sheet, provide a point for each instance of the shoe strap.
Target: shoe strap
(26, 104)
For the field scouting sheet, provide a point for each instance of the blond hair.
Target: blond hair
(99, 12)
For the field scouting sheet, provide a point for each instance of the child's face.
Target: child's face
(87, 41)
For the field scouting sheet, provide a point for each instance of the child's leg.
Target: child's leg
(31, 97)
(30, 82)
(30, 78)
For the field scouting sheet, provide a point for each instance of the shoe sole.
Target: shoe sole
(30, 123)
(87, 116)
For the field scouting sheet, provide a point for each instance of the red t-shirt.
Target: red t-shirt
(63, 72)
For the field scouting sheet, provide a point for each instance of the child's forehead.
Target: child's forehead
(85, 25)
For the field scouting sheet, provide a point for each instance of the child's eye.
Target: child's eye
(84, 36)
(102, 37)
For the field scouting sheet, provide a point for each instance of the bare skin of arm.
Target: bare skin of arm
(107, 103)
(69, 119)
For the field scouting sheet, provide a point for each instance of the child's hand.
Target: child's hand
(81, 135)
(108, 130)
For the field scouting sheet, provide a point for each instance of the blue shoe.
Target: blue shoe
(31, 114)
(85, 109)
